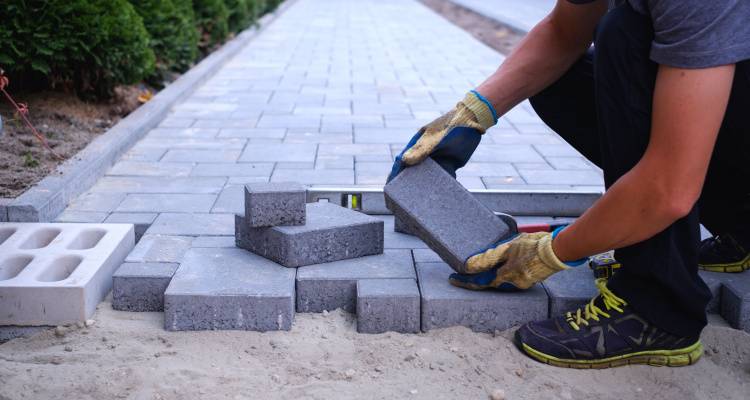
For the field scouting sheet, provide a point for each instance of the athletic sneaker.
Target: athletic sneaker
(723, 253)
(605, 333)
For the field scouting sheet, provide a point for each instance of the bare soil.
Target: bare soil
(486, 30)
(127, 355)
(67, 122)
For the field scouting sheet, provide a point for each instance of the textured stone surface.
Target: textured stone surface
(735, 300)
(160, 249)
(141, 221)
(570, 289)
(334, 285)
(443, 213)
(141, 286)
(274, 204)
(331, 233)
(444, 305)
(385, 305)
(229, 289)
(401, 227)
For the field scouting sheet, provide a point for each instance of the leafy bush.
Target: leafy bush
(174, 38)
(241, 14)
(211, 17)
(91, 45)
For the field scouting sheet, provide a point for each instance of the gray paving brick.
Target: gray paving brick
(82, 216)
(192, 144)
(289, 121)
(506, 153)
(383, 135)
(568, 290)
(335, 162)
(401, 238)
(425, 256)
(141, 286)
(505, 182)
(385, 305)
(231, 200)
(92, 201)
(288, 152)
(229, 289)
(228, 170)
(569, 177)
(4, 209)
(156, 202)
(331, 233)
(197, 133)
(735, 301)
(557, 150)
(226, 123)
(140, 221)
(144, 154)
(202, 155)
(253, 133)
(150, 168)
(453, 222)
(119, 184)
(192, 224)
(487, 169)
(313, 137)
(159, 249)
(275, 204)
(569, 163)
(334, 285)
(213, 241)
(444, 305)
(314, 176)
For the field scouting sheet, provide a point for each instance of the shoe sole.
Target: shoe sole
(736, 267)
(658, 358)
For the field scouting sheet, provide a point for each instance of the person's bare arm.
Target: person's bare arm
(544, 54)
(688, 108)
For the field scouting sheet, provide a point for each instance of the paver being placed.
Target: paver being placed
(219, 288)
(442, 213)
(333, 285)
(735, 300)
(570, 289)
(444, 305)
(385, 305)
(274, 204)
(54, 274)
(331, 233)
(141, 286)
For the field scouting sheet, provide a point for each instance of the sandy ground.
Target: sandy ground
(129, 356)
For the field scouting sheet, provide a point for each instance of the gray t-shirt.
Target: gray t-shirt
(697, 33)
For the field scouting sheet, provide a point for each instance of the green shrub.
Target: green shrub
(91, 45)
(240, 14)
(211, 16)
(174, 38)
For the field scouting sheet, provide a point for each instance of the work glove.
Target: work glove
(451, 139)
(513, 264)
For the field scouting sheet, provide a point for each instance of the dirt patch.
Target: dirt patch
(67, 122)
(129, 355)
(486, 30)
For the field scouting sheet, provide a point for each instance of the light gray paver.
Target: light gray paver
(453, 222)
(388, 305)
(226, 169)
(141, 221)
(150, 168)
(117, 184)
(330, 233)
(201, 155)
(444, 305)
(217, 288)
(274, 204)
(98, 202)
(153, 202)
(286, 152)
(160, 249)
(141, 286)
(570, 289)
(735, 301)
(333, 285)
(192, 224)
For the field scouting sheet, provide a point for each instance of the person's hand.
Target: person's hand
(451, 139)
(512, 264)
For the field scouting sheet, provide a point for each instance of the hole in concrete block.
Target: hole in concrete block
(11, 267)
(60, 269)
(5, 233)
(40, 238)
(87, 239)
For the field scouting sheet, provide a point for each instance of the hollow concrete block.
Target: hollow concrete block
(385, 305)
(274, 204)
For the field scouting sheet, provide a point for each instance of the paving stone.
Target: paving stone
(453, 222)
(225, 169)
(333, 285)
(735, 300)
(399, 239)
(119, 184)
(213, 241)
(98, 202)
(331, 233)
(401, 227)
(256, 133)
(92, 217)
(444, 305)
(10, 332)
(425, 256)
(314, 176)
(140, 221)
(4, 209)
(150, 168)
(152, 202)
(192, 224)
(141, 286)
(201, 155)
(562, 177)
(388, 305)
(217, 289)
(284, 152)
(563, 163)
(570, 289)
(160, 249)
(275, 204)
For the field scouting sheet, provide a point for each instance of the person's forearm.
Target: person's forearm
(541, 58)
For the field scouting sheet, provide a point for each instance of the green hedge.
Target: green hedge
(91, 45)
(174, 36)
(240, 14)
(212, 17)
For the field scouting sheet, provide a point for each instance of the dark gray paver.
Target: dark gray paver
(274, 204)
(141, 286)
(219, 288)
(570, 289)
(444, 305)
(141, 221)
(401, 227)
(4, 209)
(735, 300)
(10, 332)
(443, 213)
(385, 305)
(714, 281)
(333, 285)
(396, 240)
(331, 233)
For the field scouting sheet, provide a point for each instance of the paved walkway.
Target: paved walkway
(519, 14)
(327, 95)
